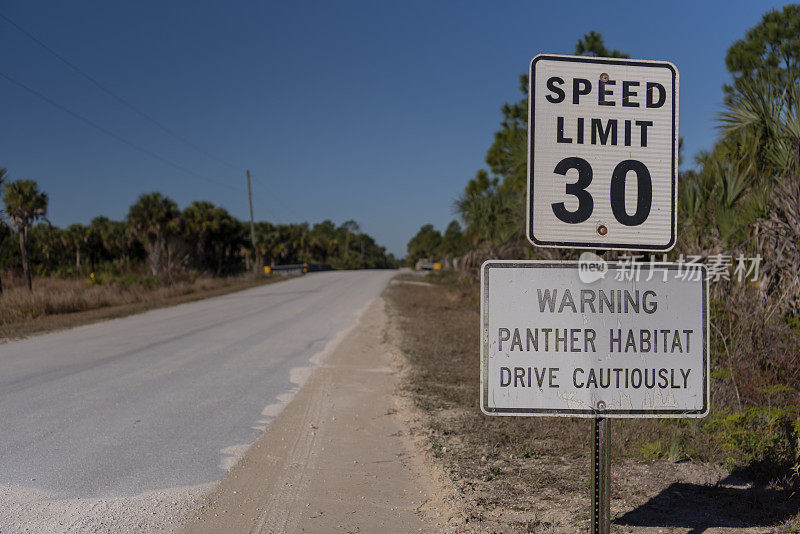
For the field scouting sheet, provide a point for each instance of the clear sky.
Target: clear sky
(376, 111)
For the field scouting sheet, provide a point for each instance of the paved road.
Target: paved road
(150, 401)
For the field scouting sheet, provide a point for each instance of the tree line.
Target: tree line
(741, 199)
(747, 179)
(162, 242)
(492, 205)
(429, 243)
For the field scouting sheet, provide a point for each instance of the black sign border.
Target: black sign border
(600, 244)
(586, 412)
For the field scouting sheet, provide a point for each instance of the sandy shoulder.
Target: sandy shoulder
(336, 458)
(25, 510)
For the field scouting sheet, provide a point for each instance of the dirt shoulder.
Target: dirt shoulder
(518, 474)
(336, 458)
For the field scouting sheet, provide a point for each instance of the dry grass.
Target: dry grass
(531, 474)
(57, 303)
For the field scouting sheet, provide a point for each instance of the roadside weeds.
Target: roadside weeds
(58, 304)
(532, 474)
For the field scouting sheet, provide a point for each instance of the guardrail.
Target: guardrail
(299, 268)
(429, 266)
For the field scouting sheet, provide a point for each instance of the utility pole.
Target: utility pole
(252, 226)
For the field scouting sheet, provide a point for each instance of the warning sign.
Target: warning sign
(590, 337)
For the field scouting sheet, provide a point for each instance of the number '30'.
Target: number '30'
(618, 179)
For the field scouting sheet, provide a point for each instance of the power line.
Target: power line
(114, 135)
(278, 201)
(118, 98)
(283, 205)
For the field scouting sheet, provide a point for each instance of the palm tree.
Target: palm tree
(109, 240)
(322, 240)
(200, 226)
(228, 235)
(24, 205)
(152, 220)
(763, 120)
(350, 227)
(43, 238)
(266, 237)
(5, 232)
(76, 238)
(491, 214)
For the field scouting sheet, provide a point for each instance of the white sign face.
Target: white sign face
(602, 153)
(587, 338)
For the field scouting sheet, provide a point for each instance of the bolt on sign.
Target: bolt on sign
(587, 338)
(602, 153)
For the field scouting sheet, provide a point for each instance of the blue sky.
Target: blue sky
(366, 110)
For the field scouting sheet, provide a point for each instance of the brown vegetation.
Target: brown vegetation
(58, 303)
(777, 240)
(531, 474)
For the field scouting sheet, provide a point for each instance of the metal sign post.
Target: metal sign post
(599, 340)
(601, 476)
(601, 469)
(595, 339)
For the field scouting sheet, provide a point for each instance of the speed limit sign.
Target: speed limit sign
(602, 153)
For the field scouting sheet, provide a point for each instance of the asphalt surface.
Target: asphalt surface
(152, 401)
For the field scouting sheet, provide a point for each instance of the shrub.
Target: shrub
(763, 440)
